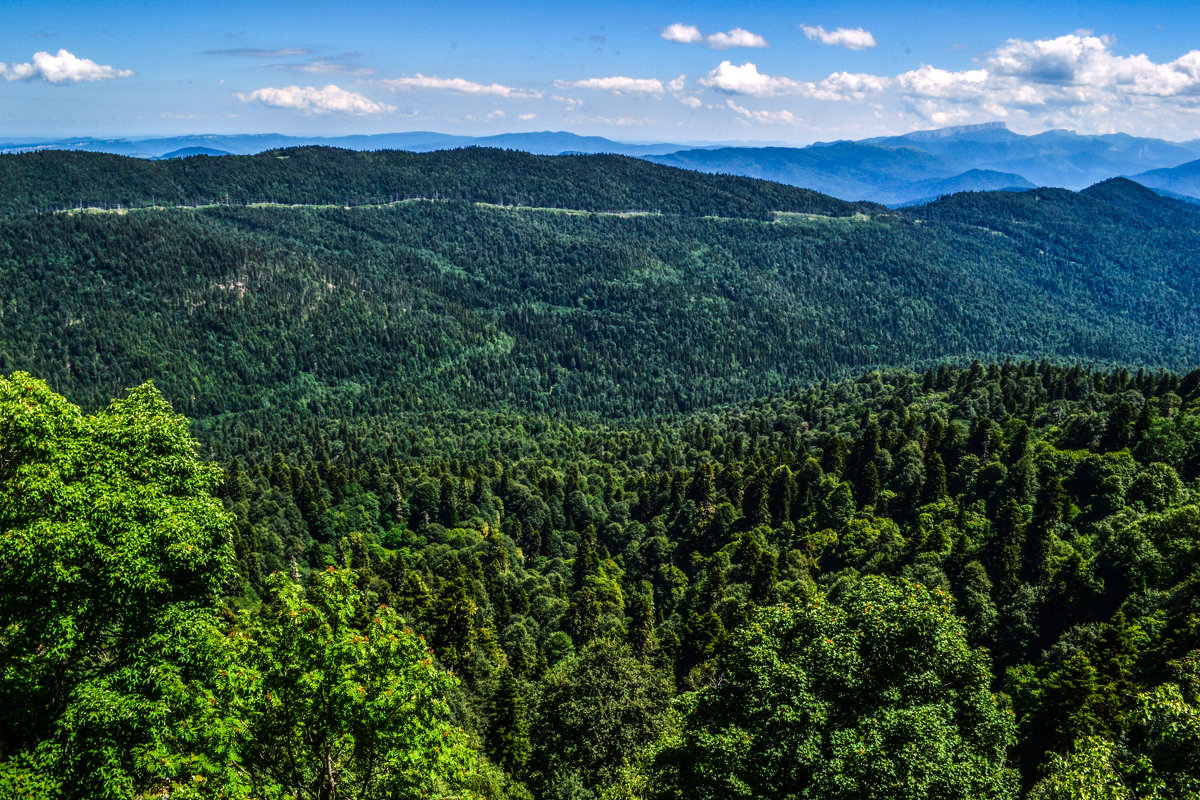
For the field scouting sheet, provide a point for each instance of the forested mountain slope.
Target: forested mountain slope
(460, 303)
(325, 175)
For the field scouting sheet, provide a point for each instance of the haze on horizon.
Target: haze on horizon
(771, 72)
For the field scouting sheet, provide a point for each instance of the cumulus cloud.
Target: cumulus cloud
(457, 85)
(1072, 80)
(846, 86)
(617, 84)
(1076, 80)
(851, 38)
(927, 81)
(747, 80)
(690, 34)
(310, 100)
(1085, 60)
(684, 34)
(1080, 81)
(62, 67)
(738, 37)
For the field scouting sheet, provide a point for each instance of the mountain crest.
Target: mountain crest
(956, 130)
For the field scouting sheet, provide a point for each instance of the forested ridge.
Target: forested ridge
(504, 502)
(47, 180)
(461, 304)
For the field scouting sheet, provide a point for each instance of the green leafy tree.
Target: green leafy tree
(1157, 761)
(595, 712)
(1087, 773)
(1167, 739)
(875, 695)
(112, 551)
(337, 704)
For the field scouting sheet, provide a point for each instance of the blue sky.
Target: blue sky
(636, 71)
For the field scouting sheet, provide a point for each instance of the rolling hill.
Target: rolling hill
(1183, 180)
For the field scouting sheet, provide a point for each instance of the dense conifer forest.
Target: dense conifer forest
(503, 501)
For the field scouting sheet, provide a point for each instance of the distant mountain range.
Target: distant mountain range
(1053, 158)
(895, 170)
(545, 143)
(901, 170)
(1182, 181)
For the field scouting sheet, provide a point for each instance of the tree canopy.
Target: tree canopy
(118, 679)
(874, 694)
(113, 553)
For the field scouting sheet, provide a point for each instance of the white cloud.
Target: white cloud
(329, 100)
(1088, 61)
(747, 80)
(1074, 81)
(927, 81)
(526, 117)
(852, 38)
(690, 34)
(1081, 81)
(783, 117)
(63, 67)
(458, 85)
(684, 34)
(738, 37)
(571, 103)
(616, 84)
(846, 86)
